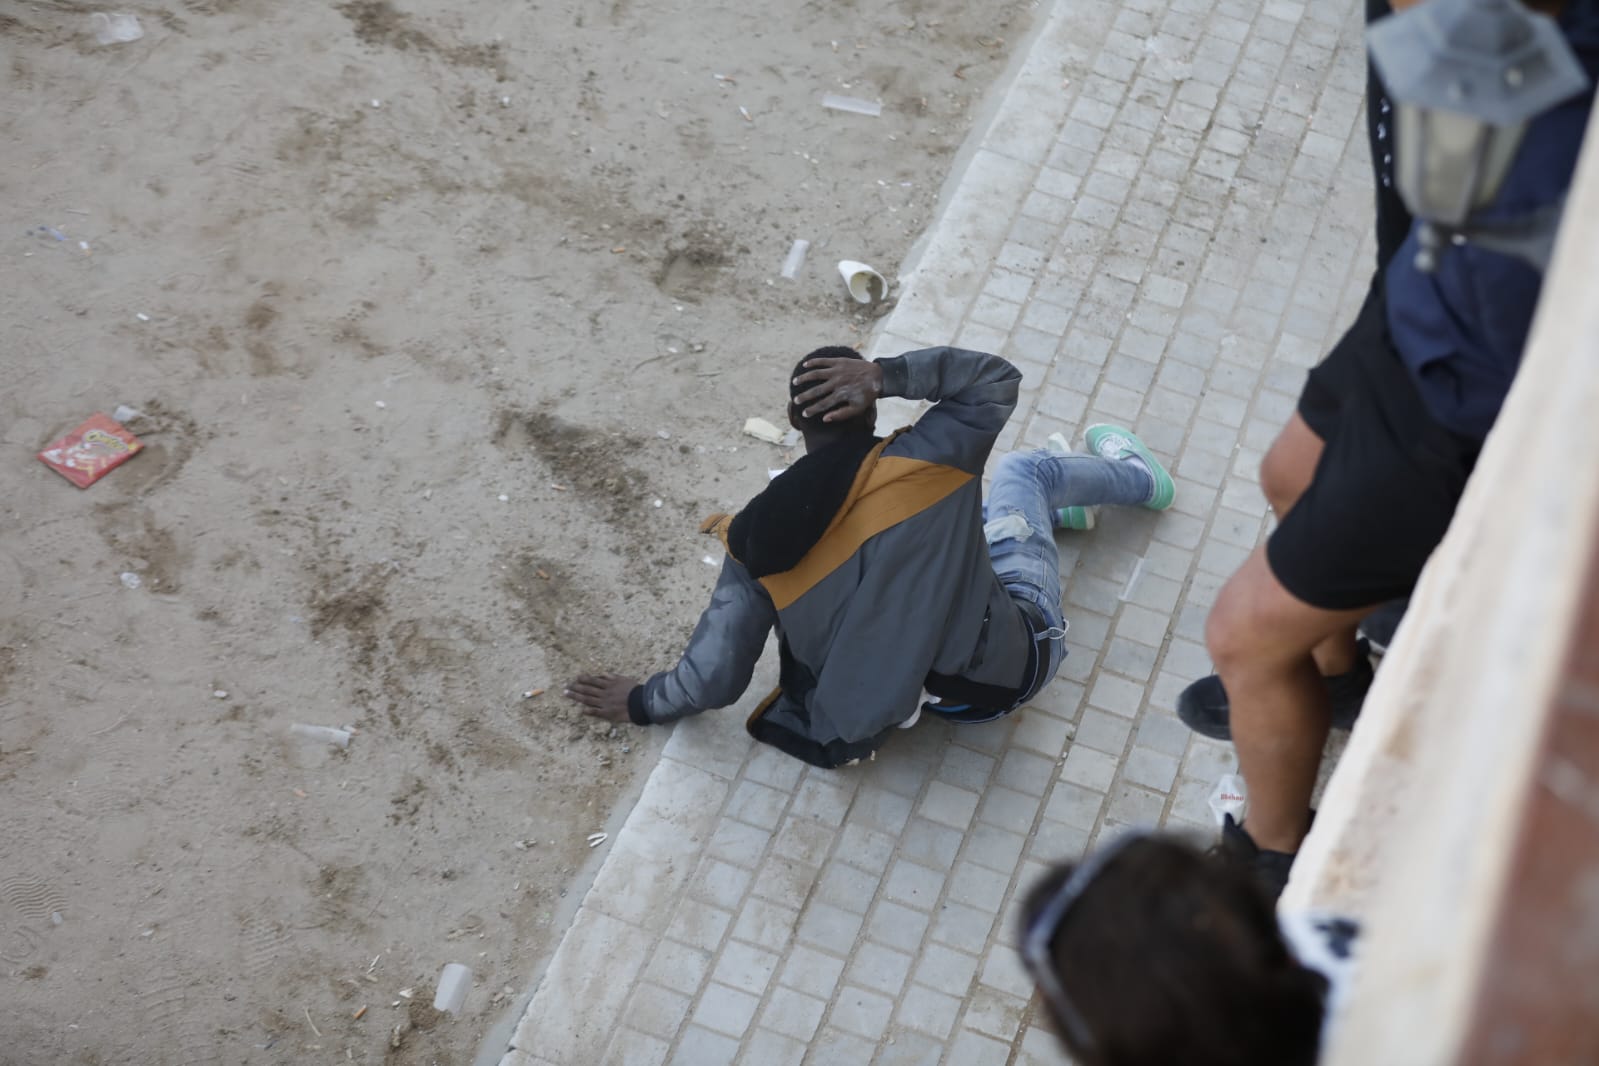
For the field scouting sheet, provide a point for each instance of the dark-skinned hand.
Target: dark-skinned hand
(842, 388)
(602, 695)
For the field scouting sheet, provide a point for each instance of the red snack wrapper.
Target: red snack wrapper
(91, 451)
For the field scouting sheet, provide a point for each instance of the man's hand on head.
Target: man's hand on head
(602, 695)
(842, 388)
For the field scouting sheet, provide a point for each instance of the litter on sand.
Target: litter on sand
(91, 451)
(454, 982)
(853, 104)
(795, 258)
(866, 286)
(761, 429)
(115, 27)
(596, 839)
(325, 734)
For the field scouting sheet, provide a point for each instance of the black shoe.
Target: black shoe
(1379, 626)
(1269, 868)
(1203, 706)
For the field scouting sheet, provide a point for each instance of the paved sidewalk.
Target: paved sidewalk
(1165, 224)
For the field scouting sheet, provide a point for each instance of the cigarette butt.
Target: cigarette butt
(300, 792)
(619, 249)
(545, 574)
(357, 1014)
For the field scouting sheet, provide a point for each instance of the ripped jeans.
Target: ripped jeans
(1031, 486)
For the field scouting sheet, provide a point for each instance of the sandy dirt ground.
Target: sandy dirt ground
(425, 307)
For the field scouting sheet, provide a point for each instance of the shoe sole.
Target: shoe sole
(1165, 487)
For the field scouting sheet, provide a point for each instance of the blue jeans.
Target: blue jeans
(1033, 485)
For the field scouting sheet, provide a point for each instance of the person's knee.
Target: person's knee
(1013, 464)
(1228, 627)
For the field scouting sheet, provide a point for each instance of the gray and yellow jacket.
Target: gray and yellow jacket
(868, 556)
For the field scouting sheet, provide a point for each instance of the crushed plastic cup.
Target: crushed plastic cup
(1231, 796)
(454, 983)
(853, 104)
(326, 734)
(761, 429)
(115, 27)
(866, 286)
(130, 580)
(796, 257)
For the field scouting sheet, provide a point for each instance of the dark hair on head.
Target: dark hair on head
(1171, 956)
(816, 425)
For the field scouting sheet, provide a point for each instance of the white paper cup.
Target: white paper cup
(865, 285)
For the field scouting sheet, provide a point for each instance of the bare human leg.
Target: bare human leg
(1261, 638)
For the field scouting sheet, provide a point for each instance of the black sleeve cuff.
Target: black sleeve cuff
(635, 707)
(896, 375)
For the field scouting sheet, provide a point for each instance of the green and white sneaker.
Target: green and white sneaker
(1115, 442)
(1075, 518)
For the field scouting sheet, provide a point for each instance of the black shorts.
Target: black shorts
(1386, 485)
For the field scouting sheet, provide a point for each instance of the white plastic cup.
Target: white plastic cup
(327, 734)
(865, 285)
(853, 104)
(115, 27)
(796, 258)
(454, 983)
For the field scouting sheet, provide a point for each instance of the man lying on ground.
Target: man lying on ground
(881, 568)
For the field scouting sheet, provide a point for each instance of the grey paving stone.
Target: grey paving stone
(678, 967)
(1150, 768)
(994, 1014)
(1130, 805)
(766, 924)
(774, 1049)
(725, 1010)
(739, 843)
(746, 967)
(768, 766)
(632, 1048)
(803, 841)
(943, 969)
(1103, 731)
(793, 1014)
(825, 800)
(813, 972)
(861, 1012)
(699, 925)
(974, 1049)
(785, 881)
(846, 887)
(868, 849)
(994, 848)
(657, 1011)
(913, 885)
(1057, 842)
(948, 805)
(1078, 804)
(977, 887)
(880, 968)
(896, 925)
(1025, 772)
(720, 883)
(701, 1047)
(757, 804)
(931, 845)
(835, 1045)
(1006, 808)
(1117, 695)
(928, 1010)
(828, 927)
(965, 768)
(1042, 733)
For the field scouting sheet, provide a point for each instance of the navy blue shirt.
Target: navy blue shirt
(1460, 331)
